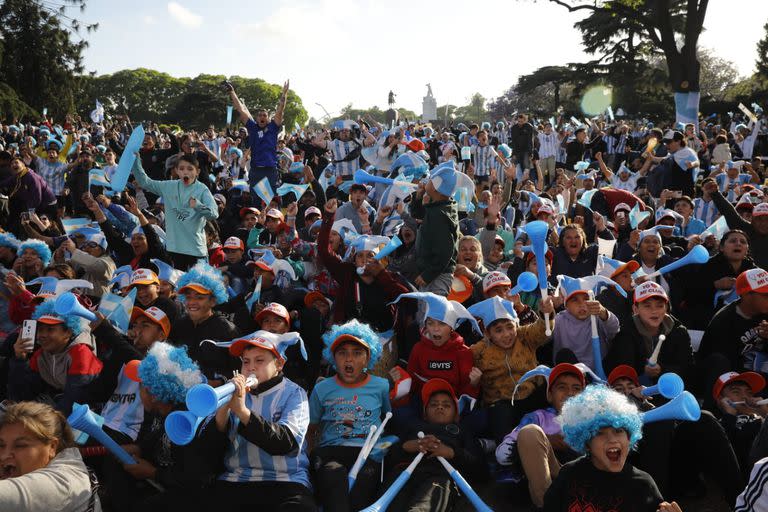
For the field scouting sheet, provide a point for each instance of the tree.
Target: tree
(762, 54)
(375, 113)
(670, 26)
(717, 75)
(551, 77)
(42, 51)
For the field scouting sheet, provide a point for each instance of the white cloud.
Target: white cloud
(184, 16)
(149, 20)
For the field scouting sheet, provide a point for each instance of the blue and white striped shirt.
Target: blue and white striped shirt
(53, 174)
(615, 144)
(705, 211)
(484, 156)
(340, 149)
(549, 144)
(285, 403)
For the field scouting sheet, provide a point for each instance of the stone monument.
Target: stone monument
(429, 106)
(391, 116)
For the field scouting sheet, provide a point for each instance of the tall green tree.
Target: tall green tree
(42, 51)
(762, 54)
(615, 29)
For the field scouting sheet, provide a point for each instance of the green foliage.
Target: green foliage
(42, 51)
(12, 107)
(762, 54)
(375, 113)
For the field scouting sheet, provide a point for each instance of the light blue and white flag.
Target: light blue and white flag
(254, 298)
(264, 190)
(717, 228)
(97, 178)
(118, 309)
(287, 188)
(97, 114)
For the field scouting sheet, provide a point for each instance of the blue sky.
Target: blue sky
(338, 52)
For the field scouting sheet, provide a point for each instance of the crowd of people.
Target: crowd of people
(502, 298)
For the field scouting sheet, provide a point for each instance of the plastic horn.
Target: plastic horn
(597, 353)
(181, 426)
(361, 178)
(537, 233)
(655, 356)
(464, 486)
(203, 400)
(360, 458)
(67, 304)
(83, 419)
(683, 407)
(697, 256)
(367, 448)
(389, 248)
(670, 385)
(526, 282)
(382, 503)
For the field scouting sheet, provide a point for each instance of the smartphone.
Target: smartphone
(24, 216)
(28, 332)
(677, 193)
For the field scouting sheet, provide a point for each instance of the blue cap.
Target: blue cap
(441, 309)
(494, 309)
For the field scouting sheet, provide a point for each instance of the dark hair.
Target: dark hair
(721, 139)
(63, 269)
(191, 159)
(732, 232)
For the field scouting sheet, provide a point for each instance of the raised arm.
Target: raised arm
(242, 110)
(278, 119)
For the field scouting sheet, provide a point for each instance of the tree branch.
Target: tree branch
(574, 8)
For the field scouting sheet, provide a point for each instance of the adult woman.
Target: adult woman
(470, 265)
(711, 284)
(189, 204)
(40, 467)
(26, 191)
(573, 256)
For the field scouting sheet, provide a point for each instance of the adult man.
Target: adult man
(345, 148)
(549, 145)
(679, 173)
(262, 136)
(521, 140)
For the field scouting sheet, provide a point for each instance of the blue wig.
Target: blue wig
(10, 241)
(598, 407)
(73, 323)
(208, 277)
(40, 247)
(168, 373)
(358, 330)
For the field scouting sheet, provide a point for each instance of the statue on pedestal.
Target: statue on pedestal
(429, 90)
(391, 99)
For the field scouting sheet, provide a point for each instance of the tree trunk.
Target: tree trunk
(557, 96)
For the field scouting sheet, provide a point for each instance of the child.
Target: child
(536, 448)
(741, 418)
(431, 488)
(342, 410)
(436, 239)
(164, 375)
(266, 461)
(572, 335)
(638, 340)
(441, 352)
(63, 366)
(601, 424)
(503, 356)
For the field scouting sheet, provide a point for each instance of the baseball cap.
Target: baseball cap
(649, 289)
(249, 209)
(219, 198)
(237, 348)
(622, 206)
(275, 214)
(565, 368)
(314, 295)
(631, 265)
(545, 209)
(415, 145)
(548, 256)
(348, 337)
(623, 371)
(436, 385)
(143, 276)
(755, 381)
(51, 319)
(275, 309)
(752, 280)
(494, 279)
(312, 210)
(234, 242)
(673, 135)
(760, 210)
(155, 315)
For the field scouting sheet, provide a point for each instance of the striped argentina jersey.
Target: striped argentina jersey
(484, 156)
(286, 404)
(340, 149)
(124, 411)
(549, 144)
(705, 211)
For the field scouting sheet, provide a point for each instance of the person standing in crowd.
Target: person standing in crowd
(262, 136)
